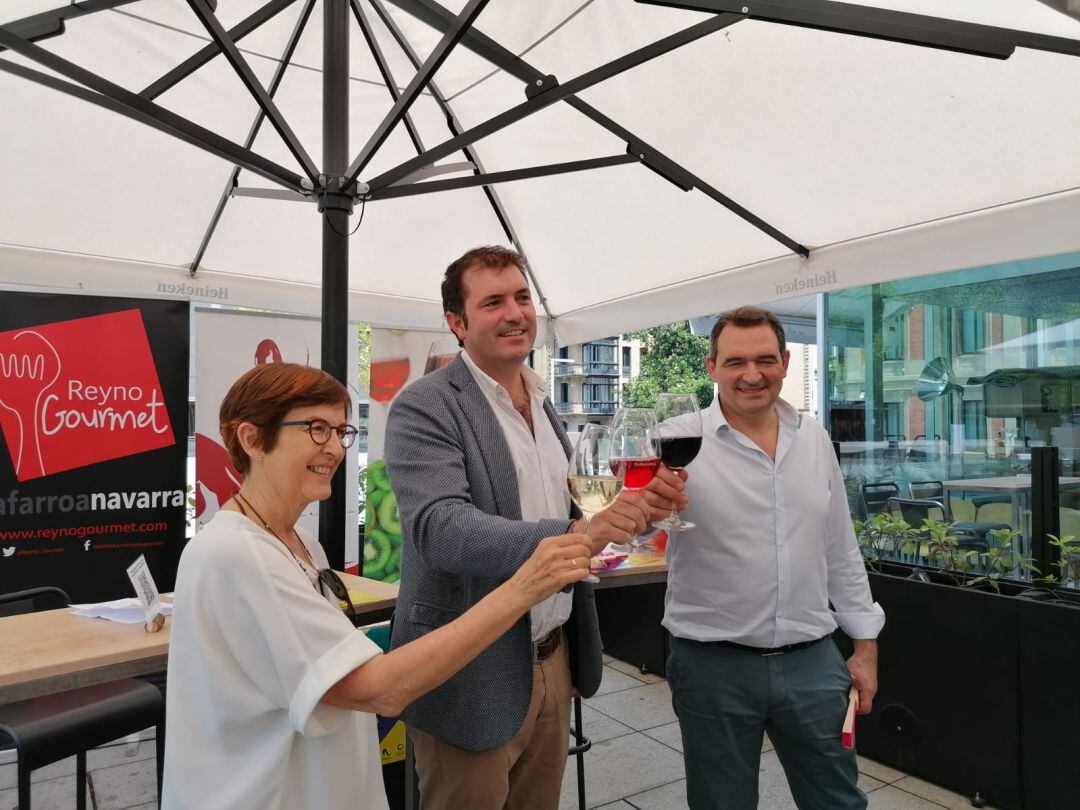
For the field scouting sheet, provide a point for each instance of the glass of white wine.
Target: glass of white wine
(593, 485)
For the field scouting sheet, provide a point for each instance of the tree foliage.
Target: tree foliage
(672, 360)
(363, 344)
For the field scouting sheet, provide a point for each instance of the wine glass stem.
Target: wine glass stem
(674, 508)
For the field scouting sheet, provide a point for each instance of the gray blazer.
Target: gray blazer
(462, 536)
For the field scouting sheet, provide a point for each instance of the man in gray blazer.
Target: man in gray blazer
(478, 460)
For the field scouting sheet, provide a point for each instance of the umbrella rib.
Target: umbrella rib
(430, 12)
(116, 98)
(384, 70)
(502, 177)
(51, 23)
(205, 54)
(556, 92)
(279, 74)
(451, 36)
(455, 128)
(896, 26)
(251, 81)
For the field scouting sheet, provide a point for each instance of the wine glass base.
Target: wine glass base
(674, 524)
(592, 579)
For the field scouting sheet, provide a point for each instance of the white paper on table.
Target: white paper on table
(124, 611)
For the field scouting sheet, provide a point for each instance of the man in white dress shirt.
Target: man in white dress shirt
(755, 591)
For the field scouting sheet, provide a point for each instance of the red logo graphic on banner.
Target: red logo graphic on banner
(267, 352)
(74, 393)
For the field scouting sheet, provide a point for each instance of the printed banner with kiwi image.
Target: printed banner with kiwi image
(398, 357)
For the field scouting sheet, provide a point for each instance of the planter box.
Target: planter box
(1049, 704)
(949, 702)
(978, 692)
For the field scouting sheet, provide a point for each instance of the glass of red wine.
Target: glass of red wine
(442, 351)
(635, 453)
(679, 421)
(389, 365)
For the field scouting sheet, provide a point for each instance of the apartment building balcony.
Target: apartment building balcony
(588, 408)
(580, 369)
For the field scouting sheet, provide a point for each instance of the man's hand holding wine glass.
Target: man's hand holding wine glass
(628, 515)
(632, 512)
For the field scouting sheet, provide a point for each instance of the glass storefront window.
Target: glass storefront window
(947, 382)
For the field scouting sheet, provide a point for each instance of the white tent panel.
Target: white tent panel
(561, 37)
(829, 143)
(401, 247)
(1025, 230)
(1023, 15)
(844, 144)
(645, 232)
(83, 179)
(52, 271)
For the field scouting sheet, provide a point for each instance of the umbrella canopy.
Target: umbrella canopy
(708, 155)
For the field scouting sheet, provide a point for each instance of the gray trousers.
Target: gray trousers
(727, 698)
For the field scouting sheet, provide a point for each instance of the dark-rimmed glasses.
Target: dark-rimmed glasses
(333, 583)
(320, 430)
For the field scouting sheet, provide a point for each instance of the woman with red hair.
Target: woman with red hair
(272, 693)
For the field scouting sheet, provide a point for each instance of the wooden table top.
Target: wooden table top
(640, 574)
(52, 650)
(1005, 483)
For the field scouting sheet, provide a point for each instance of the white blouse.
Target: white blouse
(253, 649)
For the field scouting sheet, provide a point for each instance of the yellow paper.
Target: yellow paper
(360, 597)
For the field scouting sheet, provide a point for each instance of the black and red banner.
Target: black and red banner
(93, 441)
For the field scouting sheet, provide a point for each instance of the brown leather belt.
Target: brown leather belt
(547, 645)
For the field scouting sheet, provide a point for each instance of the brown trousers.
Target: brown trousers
(524, 774)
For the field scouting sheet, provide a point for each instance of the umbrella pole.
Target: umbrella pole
(335, 206)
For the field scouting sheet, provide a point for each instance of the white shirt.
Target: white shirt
(773, 545)
(253, 649)
(541, 466)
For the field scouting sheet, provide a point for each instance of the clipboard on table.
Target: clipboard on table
(847, 733)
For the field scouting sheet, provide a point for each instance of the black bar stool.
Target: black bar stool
(53, 727)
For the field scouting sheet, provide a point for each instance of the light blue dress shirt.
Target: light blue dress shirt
(774, 543)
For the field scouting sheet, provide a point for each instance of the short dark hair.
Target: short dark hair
(746, 316)
(263, 395)
(495, 256)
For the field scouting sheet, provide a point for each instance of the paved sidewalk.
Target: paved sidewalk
(635, 763)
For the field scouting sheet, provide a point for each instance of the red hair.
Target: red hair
(263, 395)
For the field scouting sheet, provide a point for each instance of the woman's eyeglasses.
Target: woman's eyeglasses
(320, 431)
(333, 583)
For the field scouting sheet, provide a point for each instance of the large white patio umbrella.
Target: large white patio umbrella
(654, 161)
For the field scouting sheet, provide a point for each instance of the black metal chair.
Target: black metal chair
(54, 727)
(875, 496)
(927, 491)
(935, 491)
(915, 511)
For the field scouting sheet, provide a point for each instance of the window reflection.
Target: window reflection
(953, 379)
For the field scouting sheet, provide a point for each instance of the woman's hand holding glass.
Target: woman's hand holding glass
(557, 562)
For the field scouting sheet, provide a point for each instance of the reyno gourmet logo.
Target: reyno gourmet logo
(77, 392)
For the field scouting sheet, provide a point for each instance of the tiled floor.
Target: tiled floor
(636, 758)
(635, 762)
